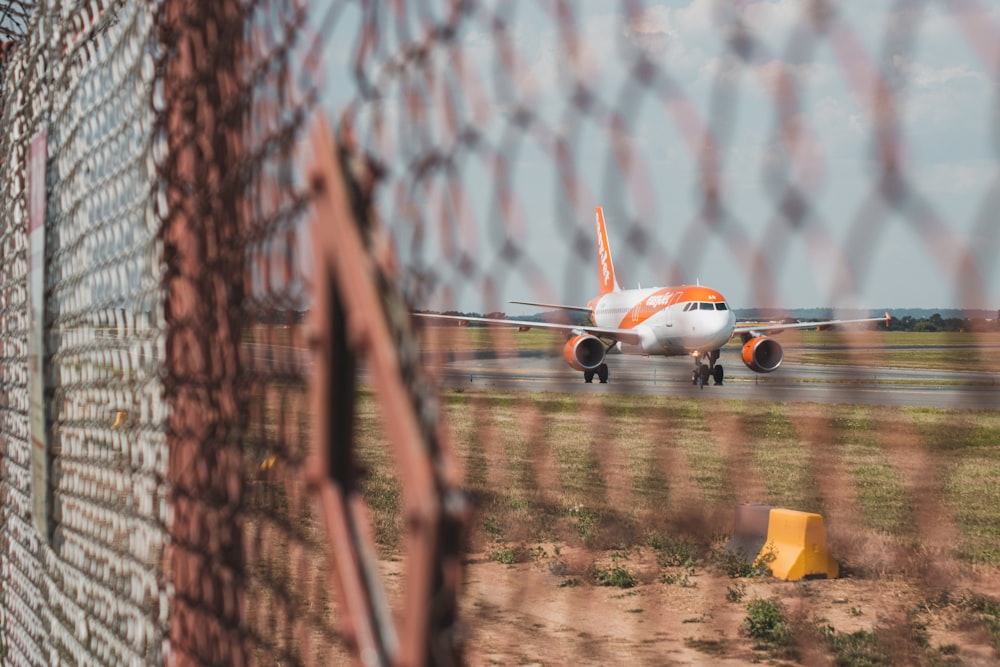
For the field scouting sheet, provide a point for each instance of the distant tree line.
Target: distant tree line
(937, 323)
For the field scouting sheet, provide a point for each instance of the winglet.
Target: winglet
(605, 267)
(888, 318)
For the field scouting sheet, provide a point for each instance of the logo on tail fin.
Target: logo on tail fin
(605, 267)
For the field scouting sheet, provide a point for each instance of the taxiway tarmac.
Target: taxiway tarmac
(810, 383)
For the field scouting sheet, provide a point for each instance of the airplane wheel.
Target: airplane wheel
(706, 373)
(603, 373)
(695, 376)
(588, 376)
(718, 373)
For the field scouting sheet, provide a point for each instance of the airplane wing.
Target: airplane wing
(553, 306)
(763, 328)
(627, 336)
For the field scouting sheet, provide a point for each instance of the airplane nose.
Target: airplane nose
(709, 329)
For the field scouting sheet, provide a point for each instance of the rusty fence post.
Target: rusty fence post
(203, 123)
(356, 313)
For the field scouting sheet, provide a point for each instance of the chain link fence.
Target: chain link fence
(224, 443)
(86, 499)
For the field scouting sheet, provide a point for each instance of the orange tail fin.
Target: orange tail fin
(605, 267)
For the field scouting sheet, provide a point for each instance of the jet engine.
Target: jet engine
(762, 354)
(584, 352)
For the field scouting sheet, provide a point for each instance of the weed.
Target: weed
(736, 567)
(732, 564)
(616, 575)
(988, 611)
(736, 592)
(672, 551)
(510, 555)
(918, 632)
(572, 582)
(586, 522)
(761, 567)
(505, 556)
(681, 577)
(856, 649)
(944, 656)
(765, 623)
(491, 525)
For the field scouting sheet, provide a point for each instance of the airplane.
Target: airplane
(691, 320)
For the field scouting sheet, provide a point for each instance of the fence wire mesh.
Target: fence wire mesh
(90, 588)
(498, 127)
(475, 140)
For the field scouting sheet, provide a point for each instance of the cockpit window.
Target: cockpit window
(705, 305)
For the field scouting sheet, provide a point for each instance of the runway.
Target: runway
(805, 383)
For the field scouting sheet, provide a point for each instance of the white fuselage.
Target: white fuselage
(668, 320)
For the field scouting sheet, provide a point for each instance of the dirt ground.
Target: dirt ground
(526, 614)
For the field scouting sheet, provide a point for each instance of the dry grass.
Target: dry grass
(897, 349)
(448, 338)
(609, 469)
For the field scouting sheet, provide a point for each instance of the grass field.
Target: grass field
(542, 469)
(900, 349)
(642, 489)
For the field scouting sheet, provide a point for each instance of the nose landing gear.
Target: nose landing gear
(704, 371)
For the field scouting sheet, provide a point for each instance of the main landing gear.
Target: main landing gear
(704, 371)
(601, 371)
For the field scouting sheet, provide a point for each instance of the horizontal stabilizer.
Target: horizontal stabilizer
(553, 306)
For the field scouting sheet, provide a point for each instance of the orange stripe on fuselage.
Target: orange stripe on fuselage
(664, 297)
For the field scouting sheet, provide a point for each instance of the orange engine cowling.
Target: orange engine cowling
(762, 354)
(584, 352)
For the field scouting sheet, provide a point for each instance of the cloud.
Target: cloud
(970, 177)
(923, 75)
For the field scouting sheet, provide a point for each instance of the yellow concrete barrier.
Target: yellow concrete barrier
(797, 542)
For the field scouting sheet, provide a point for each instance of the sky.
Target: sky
(791, 128)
